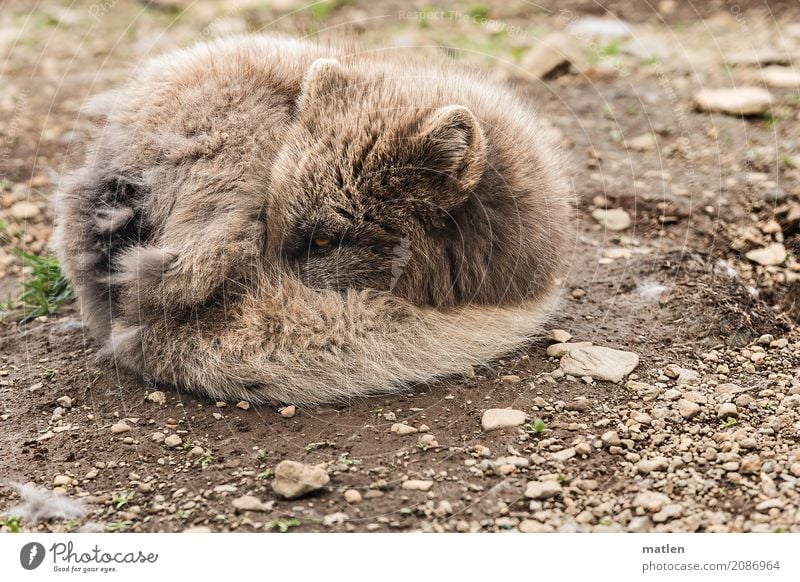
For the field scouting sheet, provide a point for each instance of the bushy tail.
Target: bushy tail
(294, 344)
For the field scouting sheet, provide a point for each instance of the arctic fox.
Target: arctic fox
(264, 218)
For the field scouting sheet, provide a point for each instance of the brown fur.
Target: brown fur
(188, 232)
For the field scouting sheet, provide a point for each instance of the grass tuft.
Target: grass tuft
(44, 291)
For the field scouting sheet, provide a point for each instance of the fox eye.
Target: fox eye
(321, 242)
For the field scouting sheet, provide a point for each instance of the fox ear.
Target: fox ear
(324, 77)
(451, 144)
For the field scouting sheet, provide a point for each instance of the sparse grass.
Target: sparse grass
(727, 423)
(12, 523)
(283, 525)
(207, 459)
(346, 459)
(478, 11)
(122, 499)
(119, 525)
(49, 373)
(536, 427)
(268, 474)
(44, 291)
(319, 445)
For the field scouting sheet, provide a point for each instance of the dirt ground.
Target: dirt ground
(678, 287)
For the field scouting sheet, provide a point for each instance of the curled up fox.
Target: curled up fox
(264, 218)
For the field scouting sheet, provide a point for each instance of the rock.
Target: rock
(335, 518)
(443, 509)
(558, 335)
(614, 219)
(293, 479)
(750, 465)
(61, 480)
(599, 363)
(417, 485)
(670, 511)
(496, 418)
(511, 379)
(64, 401)
(687, 376)
(250, 503)
(795, 469)
(352, 496)
(729, 389)
(549, 55)
(173, 441)
(558, 350)
(197, 451)
(640, 524)
(564, 454)
(428, 440)
(727, 410)
(225, 488)
(688, 409)
(119, 428)
(592, 27)
(157, 437)
(774, 254)
(542, 489)
(735, 101)
(781, 76)
(158, 397)
(403, 429)
(243, 404)
(642, 143)
(611, 439)
(288, 411)
(655, 464)
(749, 443)
(23, 210)
(650, 501)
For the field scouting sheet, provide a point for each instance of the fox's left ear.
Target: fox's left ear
(324, 78)
(451, 144)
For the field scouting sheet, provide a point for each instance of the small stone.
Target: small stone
(750, 465)
(225, 488)
(642, 143)
(583, 448)
(23, 210)
(688, 409)
(403, 429)
(352, 496)
(640, 524)
(559, 335)
(197, 451)
(554, 52)
(650, 501)
(293, 479)
(335, 519)
(496, 418)
(417, 485)
(243, 404)
(64, 401)
(775, 76)
(560, 349)
(774, 254)
(611, 439)
(614, 219)
(749, 443)
(119, 428)
(250, 503)
(288, 411)
(93, 472)
(670, 511)
(540, 490)
(735, 101)
(428, 440)
(173, 441)
(443, 509)
(564, 454)
(61, 480)
(655, 464)
(727, 410)
(672, 394)
(469, 372)
(157, 437)
(795, 469)
(600, 363)
(511, 379)
(157, 397)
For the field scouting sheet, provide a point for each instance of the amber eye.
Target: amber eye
(322, 242)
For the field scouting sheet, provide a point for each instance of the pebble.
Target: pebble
(640, 524)
(551, 53)
(642, 143)
(670, 511)
(173, 441)
(157, 437)
(687, 408)
(496, 418)
(600, 363)
(243, 404)
(65, 401)
(735, 101)
(564, 454)
(61, 480)
(352, 496)
(197, 451)
(559, 335)
(23, 210)
(511, 379)
(542, 489)
(614, 219)
(403, 429)
(157, 397)
(250, 503)
(560, 349)
(120, 427)
(417, 485)
(293, 479)
(727, 410)
(775, 76)
(225, 488)
(611, 439)
(335, 518)
(650, 501)
(288, 411)
(795, 469)
(774, 254)
(654, 464)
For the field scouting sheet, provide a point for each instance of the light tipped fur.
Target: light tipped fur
(40, 504)
(264, 218)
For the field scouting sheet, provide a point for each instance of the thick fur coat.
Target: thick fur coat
(265, 218)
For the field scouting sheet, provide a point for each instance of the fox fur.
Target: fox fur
(262, 218)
